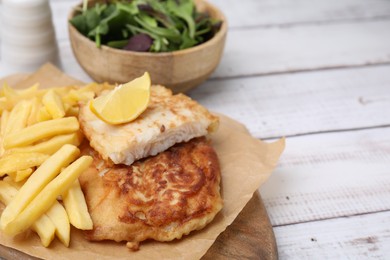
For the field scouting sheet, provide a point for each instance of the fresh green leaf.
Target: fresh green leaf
(158, 11)
(148, 19)
(187, 41)
(172, 24)
(172, 35)
(131, 8)
(101, 29)
(117, 44)
(80, 23)
(92, 19)
(183, 9)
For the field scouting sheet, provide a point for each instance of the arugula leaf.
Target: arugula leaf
(117, 44)
(159, 12)
(148, 19)
(172, 35)
(131, 8)
(183, 9)
(187, 40)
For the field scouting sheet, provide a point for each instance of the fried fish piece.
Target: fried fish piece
(162, 197)
(168, 119)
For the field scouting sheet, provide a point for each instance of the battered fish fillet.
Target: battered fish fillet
(162, 197)
(168, 119)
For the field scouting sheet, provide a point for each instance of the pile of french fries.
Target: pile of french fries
(40, 161)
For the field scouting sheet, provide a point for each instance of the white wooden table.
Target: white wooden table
(317, 72)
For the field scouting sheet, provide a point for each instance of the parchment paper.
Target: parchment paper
(245, 162)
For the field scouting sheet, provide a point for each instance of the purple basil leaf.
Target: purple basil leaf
(139, 42)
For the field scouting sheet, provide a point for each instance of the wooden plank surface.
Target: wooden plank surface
(329, 176)
(332, 191)
(302, 103)
(323, 186)
(308, 47)
(370, 146)
(358, 237)
(286, 12)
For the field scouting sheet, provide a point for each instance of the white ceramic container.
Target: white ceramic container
(27, 35)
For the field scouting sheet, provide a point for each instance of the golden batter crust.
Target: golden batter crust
(161, 197)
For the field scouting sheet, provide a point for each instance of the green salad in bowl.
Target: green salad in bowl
(145, 25)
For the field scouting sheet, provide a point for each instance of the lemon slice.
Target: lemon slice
(124, 103)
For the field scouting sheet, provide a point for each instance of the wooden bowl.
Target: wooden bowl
(178, 70)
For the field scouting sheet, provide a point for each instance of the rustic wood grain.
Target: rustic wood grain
(302, 103)
(285, 12)
(250, 237)
(330, 176)
(369, 147)
(301, 48)
(356, 237)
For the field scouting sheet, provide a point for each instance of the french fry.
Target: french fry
(12, 96)
(17, 119)
(39, 128)
(59, 217)
(75, 96)
(37, 181)
(3, 122)
(20, 161)
(22, 174)
(43, 114)
(52, 145)
(40, 131)
(17, 185)
(72, 111)
(35, 107)
(53, 104)
(45, 199)
(3, 105)
(18, 95)
(43, 226)
(7, 192)
(63, 91)
(76, 207)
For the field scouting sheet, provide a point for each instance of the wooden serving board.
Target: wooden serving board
(249, 237)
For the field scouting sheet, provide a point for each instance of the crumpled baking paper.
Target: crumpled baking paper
(245, 162)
